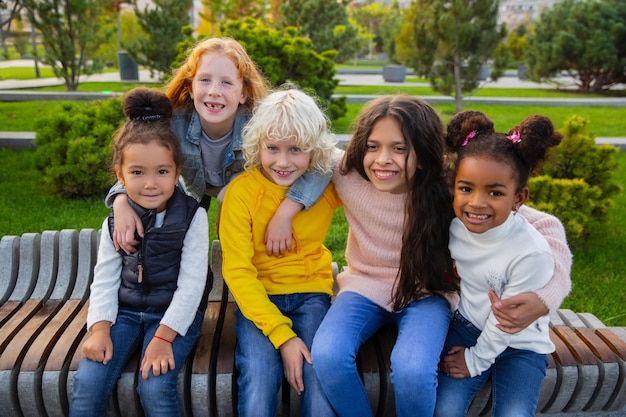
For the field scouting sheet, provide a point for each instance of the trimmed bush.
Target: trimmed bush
(73, 148)
(576, 182)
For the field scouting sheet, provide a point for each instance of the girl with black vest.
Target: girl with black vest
(151, 299)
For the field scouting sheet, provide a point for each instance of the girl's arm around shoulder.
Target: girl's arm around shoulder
(307, 189)
(555, 291)
(192, 275)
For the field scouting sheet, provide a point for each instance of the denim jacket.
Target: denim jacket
(186, 124)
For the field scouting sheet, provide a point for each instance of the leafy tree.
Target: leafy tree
(451, 40)
(390, 27)
(217, 10)
(367, 18)
(585, 38)
(315, 20)
(348, 41)
(162, 25)
(71, 31)
(10, 11)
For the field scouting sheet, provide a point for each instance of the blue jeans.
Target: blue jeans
(516, 378)
(351, 320)
(94, 382)
(260, 364)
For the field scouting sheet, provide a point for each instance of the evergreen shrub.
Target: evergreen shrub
(576, 183)
(73, 148)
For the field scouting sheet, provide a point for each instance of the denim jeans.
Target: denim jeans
(516, 378)
(260, 364)
(351, 320)
(94, 382)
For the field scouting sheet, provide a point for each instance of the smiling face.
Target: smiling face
(385, 162)
(217, 92)
(485, 193)
(282, 161)
(149, 174)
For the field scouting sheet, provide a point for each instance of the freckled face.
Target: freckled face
(217, 91)
(385, 161)
(485, 193)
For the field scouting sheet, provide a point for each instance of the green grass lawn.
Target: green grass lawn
(599, 282)
(603, 121)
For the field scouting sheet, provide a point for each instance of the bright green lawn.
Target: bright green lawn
(604, 121)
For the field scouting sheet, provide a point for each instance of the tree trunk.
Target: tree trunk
(458, 94)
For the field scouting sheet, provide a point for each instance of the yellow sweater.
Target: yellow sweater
(249, 203)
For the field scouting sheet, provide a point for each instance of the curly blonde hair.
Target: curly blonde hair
(284, 114)
(254, 84)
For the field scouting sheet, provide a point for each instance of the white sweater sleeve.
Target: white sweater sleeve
(192, 276)
(103, 299)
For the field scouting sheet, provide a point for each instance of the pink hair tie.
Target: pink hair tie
(469, 136)
(514, 137)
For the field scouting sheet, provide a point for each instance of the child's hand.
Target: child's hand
(278, 237)
(159, 356)
(516, 313)
(278, 233)
(453, 363)
(292, 352)
(126, 222)
(99, 347)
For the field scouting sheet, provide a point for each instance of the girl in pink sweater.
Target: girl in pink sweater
(398, 205)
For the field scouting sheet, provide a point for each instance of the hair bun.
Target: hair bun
(147, 104)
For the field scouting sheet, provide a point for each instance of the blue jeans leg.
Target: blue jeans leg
(422, 329)
(306, 318)
(93, 381)
(351, 320)
(516, 378)
(260, 364)
(158, 394)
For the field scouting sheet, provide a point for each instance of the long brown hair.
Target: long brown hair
(425, 262)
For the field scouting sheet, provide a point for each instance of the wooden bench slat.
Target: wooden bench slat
(65, 346)
(29, 383)
(589, 373)
(7, 310)
(42, 347)
(17, 321)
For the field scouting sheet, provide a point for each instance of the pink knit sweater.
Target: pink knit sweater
(553, 293)
(376, 221)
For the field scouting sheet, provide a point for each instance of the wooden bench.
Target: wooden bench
(44, 290)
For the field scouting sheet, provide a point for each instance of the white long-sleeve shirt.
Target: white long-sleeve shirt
(511, 259)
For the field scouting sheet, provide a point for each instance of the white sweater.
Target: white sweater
(511, 259)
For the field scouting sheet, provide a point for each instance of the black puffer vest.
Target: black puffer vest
(158, 255)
